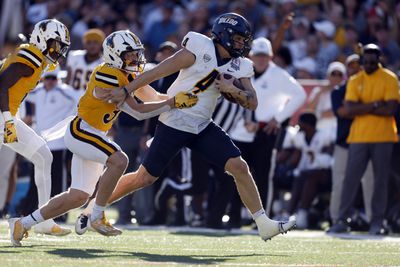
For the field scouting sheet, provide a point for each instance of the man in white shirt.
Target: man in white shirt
(279, 97)
(53, 102)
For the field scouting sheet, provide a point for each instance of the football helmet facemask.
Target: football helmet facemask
(226, 27)
(52, 38)
(116, 47)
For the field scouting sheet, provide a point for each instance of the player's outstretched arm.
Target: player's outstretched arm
(180, 60)
(141, 111)
(149, 94)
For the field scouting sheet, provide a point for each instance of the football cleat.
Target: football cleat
(273, 228)
(54, 230)
(17, 231)
(104, 227)
(82, 224)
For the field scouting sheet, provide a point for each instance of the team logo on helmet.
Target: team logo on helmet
(110, 40)
(231, 21)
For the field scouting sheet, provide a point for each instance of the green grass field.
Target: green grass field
(181, 246)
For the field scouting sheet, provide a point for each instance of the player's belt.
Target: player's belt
(90, 138)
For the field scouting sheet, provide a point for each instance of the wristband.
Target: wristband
(7, 116)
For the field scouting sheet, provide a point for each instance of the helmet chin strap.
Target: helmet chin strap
(49, 59)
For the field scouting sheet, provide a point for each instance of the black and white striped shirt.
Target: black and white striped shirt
(227, 114)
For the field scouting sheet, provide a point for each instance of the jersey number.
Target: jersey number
(109, 117)
(204, 83)
(76, 81)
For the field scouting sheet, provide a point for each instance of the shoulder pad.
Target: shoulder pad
(108, 75)
(29, 55)
(195, 42)
(246, 68)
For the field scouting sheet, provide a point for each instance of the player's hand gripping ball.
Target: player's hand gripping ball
(236, 83)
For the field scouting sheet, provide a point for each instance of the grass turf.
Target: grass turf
(181, 246)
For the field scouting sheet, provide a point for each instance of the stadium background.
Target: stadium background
(304, 53)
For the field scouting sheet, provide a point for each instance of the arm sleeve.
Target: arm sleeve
(392, 90)
(336, 100)
(297, 97)
(351, 91)
(195, 42)
(142, 116)
(27, 56)
(247, 68)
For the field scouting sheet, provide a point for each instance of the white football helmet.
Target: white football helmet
(51, 29)
(123, 41)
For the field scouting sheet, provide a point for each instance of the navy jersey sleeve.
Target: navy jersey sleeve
(337, 98)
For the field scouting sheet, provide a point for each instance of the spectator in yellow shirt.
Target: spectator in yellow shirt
(371, 98)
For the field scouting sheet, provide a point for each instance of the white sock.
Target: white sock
(89, 207)
(32, 219)
(260, 216)
(97, 212)
(257, 214)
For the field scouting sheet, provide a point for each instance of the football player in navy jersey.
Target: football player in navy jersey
(201, 60)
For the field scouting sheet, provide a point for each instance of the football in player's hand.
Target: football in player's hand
(236, 82)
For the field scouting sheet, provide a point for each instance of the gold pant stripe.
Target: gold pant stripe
(91, 138)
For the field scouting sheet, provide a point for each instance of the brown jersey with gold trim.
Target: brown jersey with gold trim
(96, 112)
(31, 56)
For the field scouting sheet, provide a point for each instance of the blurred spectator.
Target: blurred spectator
(335, 15)
(374, 22)
(328, 50)
(131, 13)
(81, 63)
(390, 49)
(313, 174)
(39, 11)
(349, 17)
(372, 135)
(305, 68)
(351, 40)
(255, 11)
(298, 46)
(319, 100)
(286, 7)
(312, 12)
(199, 21)
(341, 147)
(283, 59)
(159, 31)
(86, 21)
(396, 23)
